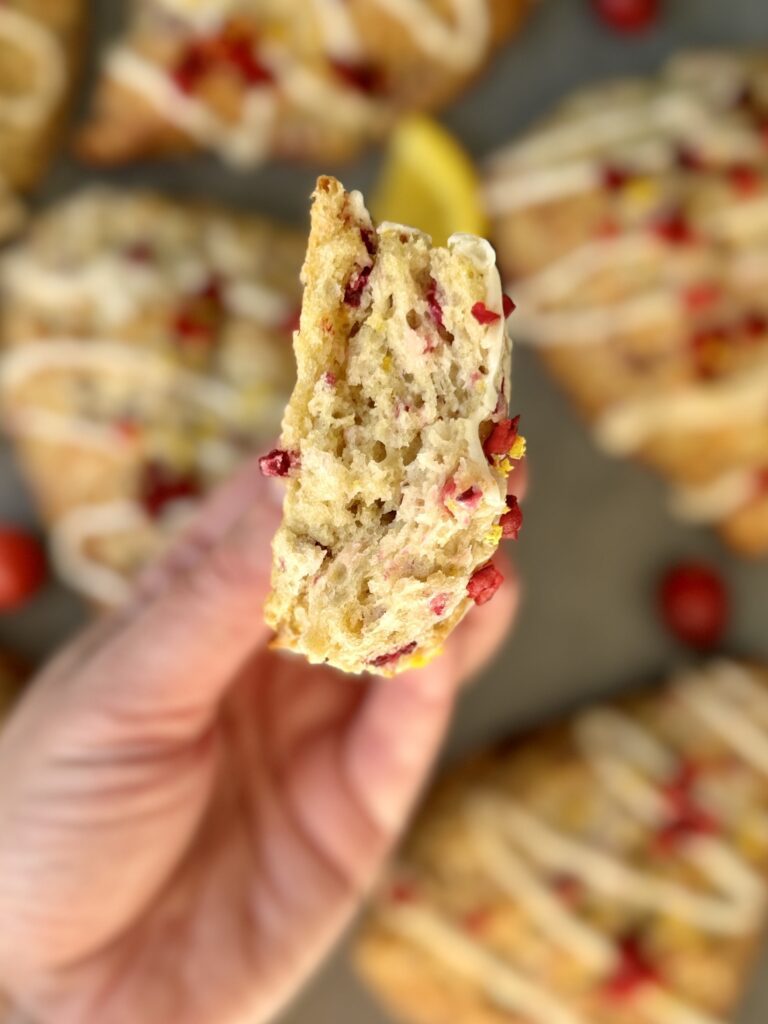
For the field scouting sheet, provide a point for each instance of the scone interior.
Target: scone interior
(392, 503)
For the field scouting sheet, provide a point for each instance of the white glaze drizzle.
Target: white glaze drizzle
(71, 534)
(60, 428)
(29, 109)
(512, 842)
(461, 45)
(340, 35)
(717, 499)
(740, 398)
(201, 13)
(36, 357)
(506, 987)
(244, 142)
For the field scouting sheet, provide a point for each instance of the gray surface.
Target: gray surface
(597, 532)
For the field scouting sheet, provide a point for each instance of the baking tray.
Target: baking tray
(597, 531)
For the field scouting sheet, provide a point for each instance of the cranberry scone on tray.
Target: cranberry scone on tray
(310, 79)
(146, 354)
(39, 48)
(634, 225)
(396, 446)
(611, 870)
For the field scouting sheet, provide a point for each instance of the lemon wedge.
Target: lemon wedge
(429, 182)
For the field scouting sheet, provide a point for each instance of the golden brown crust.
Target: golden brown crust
(549, 776)
(708, 321)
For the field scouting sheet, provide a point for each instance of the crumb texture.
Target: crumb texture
(392, 502)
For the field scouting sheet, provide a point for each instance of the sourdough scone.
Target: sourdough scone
(634, 225)
(315, 79)
(39, 44)
(613, 870)
(147, 352)
(395, 444)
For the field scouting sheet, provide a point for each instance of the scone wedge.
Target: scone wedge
(396, 445)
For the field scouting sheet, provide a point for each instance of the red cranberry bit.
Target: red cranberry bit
(511, 521)
(755, 325)
(353, 293)
(233, 49)
(476, 921)
(278, 462)
(707, 349)
(701, 296)
(694, 605)
(403, 892)
(139, 252)
(363, 77)
(484, 584)
(368, 236)
(329, 379)
(746, 180)
(502, 438)
(483, 315)
(23, 568)
(438, 604)
(200, 314)
(128, 428)
(608, 228)
(190, 68)
(568, 887)
(238, 51)
(687, 159)
(435, 309)
(292, 322)
(673, 228)
(471, 498)
(384, 660)
(508, 306)
(614, 178)
(160, 486)
(448, 491)
(627, 15)
(633, 972)
(692, 821)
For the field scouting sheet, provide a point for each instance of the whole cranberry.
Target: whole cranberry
(694, 605)
(628, 15)
(22, 567)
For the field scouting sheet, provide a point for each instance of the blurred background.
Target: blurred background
(598, 533)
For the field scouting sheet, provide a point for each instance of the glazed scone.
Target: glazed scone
(634, 225)
(309, 79)
(395, 444)
(39, 46)
(613, 870)
(147, 350)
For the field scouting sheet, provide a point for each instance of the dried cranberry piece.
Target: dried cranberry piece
(694, 605)
(232, 48)
(364, 77)
(745, 179)
(502, 438)
(484, 584)
(368, 236)
(508, 306)
(389, 659)
(278, 462)
(673, 228)
(614, 178)
(199, 315)
(435, 309)
(160, 486)
(403, 892)
(483, 315)
(691, 821)
(438, 604)
(511, 521)
(476, 921)
(627, 15)
(755, 325)
(687, 159)
(190, 68)
(353, 293)
(701, 296)
(238, 52)
(633, 972)
(471, 497)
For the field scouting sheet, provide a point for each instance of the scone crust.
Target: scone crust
(373, 66)
(392, 504)
(628, 226)
(147, 345)
(443, 872)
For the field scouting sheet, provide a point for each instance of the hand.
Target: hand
(188, 820)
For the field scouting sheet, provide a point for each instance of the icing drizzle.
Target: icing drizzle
(644, 779)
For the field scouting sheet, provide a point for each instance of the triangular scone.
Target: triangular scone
(39, 46)
(293, 78)
(395, 444)
(147, 352)
(613, 870)
(634, 224)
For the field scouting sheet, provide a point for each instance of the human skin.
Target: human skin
(188, 820)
